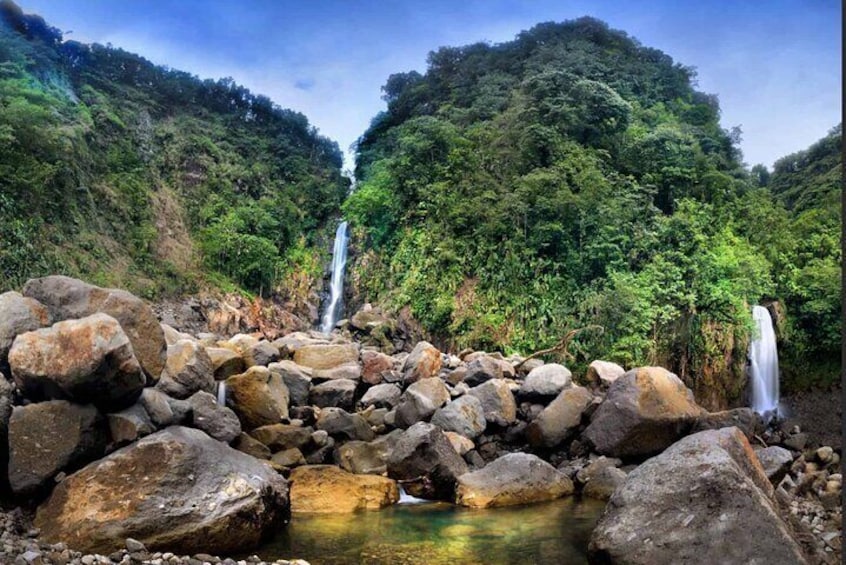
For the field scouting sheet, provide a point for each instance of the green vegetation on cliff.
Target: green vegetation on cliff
(573, 177)
(147, 178)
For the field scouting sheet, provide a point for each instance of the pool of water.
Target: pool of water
(437, 533)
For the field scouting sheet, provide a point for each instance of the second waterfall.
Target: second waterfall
(336, 286)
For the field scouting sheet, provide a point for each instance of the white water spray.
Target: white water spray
(221, 393)
(336, 287)
(763, 369)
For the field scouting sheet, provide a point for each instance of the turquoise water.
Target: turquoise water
(434, 533)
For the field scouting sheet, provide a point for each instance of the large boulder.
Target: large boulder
(49, 437)
(497, 401)
(423, 362)
(602, 374)
(482, 369)
(67, 298)
(425, 462)
(420, 400)
(545, 382)
(279, 437)
(515, 478)
(775, 461)
(745, 419)
(464, 416)
(189, 369)
(225, 362)
(18, 315)
(217, 421)
(259, 397)
(695, 503)
(344, 426)
(338, 393)
(194, 495)
(560, 419)
(129, 425)
(296, 378)
(644, 412)
(385, 395)
(326, 356)
(88, 361)
(328, 489)
(367, 457)
(374, 363)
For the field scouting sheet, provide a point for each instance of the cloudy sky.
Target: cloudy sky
(775, 65)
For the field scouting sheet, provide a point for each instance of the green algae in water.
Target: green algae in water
(434, 533)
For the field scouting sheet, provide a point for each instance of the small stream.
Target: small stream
(439, 533)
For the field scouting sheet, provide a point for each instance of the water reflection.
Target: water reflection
(434, 533)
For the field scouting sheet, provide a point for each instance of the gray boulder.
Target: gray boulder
(545, 381)
(189, 369)
(644, 412)
(217, 421)
(464, 416)
(695, 503)
(67, 299)
(130, 424)
(515, 478)
(602, 483)
(158, 408)
(602, 374)
(561, 419)
(90, 360)
(745, 419)
(497, 401)
(195, 495)
(338, 393)
(259, 397)
(382, 396)
(344, 426)
(425, 462)
(279, 437)
(420, 400)
(18, 315)
(481, 370)
(776, 462)
(261, 354)
(296, 378)
(49, 437)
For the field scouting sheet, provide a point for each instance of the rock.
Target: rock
(561, 419)
(603, 373)
(481, 370)
(350, 371)
(463, 415)
(218, 421)
(328, 489)
(246, 444)
(188, 370)
(326, 356)
(49, 437)
(130, 424)
(602, 484)
(515, 478)
(824, 454)
(261, 354)
(88, 361)
(157, 407)
(460, 443)
(423, 362)
(695, 501)
(67, 298)
(497, 401)
(172, 335)
(239, 343)
(745, 419)
(366, 457)
(776, 462)
(296, 378)
(342, 425)
(644, 412)
(420, 400)
(181, 410)
(279, 437)
(259, 397)
(225, 362)
(289, 458)
(339, 393)
(18, 315)
(545, 381)
(382, 396)
(133, 545)
(374, 364)
(424, 459)
(796, 442)
(6, 400)
(195, 494)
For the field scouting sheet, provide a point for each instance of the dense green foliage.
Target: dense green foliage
(573, 177)
(130, 174)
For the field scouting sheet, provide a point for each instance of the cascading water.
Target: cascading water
(336, 287)
(763, 368)
(221, 393)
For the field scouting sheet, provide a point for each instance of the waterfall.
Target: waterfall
(221, 393)
(336, 288)
(763, 368)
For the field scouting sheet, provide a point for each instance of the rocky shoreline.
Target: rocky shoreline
(124, 433)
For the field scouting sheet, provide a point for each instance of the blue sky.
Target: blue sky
(775, 64)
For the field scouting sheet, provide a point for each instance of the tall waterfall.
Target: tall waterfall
(336, 288)
(763, 370)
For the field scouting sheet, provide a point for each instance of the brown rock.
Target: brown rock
(326, 356)
(374, 364)
(259, 397)
(328, 489)
(188, 370)
(225, 362)
(560, 419)
(423, 362)
(18, 315)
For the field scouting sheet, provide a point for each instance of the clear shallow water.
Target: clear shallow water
(552, 532)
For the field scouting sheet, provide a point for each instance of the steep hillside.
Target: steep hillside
(568, 179)
(144, 177)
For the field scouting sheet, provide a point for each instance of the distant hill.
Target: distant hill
(148, 178)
